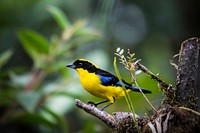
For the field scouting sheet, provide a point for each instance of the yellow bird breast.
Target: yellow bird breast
(92, 83)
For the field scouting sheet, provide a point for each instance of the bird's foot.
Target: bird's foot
(96, 104)
(92, 103)
(105, 106)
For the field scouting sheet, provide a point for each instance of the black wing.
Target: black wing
(107, 78)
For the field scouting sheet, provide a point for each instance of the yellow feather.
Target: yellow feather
(92, 83)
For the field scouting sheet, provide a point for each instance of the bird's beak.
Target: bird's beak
(71, 66)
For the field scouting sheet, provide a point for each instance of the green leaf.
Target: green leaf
(4, 57)
(33, 42)
(88, 32)
(59, 17)
(28, 100)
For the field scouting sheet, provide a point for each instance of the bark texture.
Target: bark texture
(186, 92)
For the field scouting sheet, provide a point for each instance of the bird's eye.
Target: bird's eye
(80, 63)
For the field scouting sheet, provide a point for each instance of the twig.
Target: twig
(135, 81)
(174, 64)
(191, 110)
(167, 89)
(153, 76)
(145, 97)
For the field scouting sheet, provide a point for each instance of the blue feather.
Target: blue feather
(113, 81)
(104, 80)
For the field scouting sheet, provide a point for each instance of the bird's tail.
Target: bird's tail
(137, 89)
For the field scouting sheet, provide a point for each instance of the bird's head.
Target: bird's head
(83, 64)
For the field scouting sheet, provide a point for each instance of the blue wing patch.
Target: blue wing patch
(110, 81)
(105, 80)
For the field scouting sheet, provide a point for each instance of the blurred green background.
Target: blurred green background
(38, 38)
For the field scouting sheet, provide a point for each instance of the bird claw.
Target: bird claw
(92, 103)
(101, 109)
(95, 104)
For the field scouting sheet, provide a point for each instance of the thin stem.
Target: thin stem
(135, 81)
(126, 94)
(144, 95)
(130, 65)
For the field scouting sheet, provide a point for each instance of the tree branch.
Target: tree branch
(118, 122)
(102, 115)
(166, 88)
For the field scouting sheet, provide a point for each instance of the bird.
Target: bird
(101, 83)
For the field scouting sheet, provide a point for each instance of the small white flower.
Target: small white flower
(121, 51)
(118, 49)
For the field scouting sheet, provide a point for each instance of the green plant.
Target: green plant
(39, 95)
